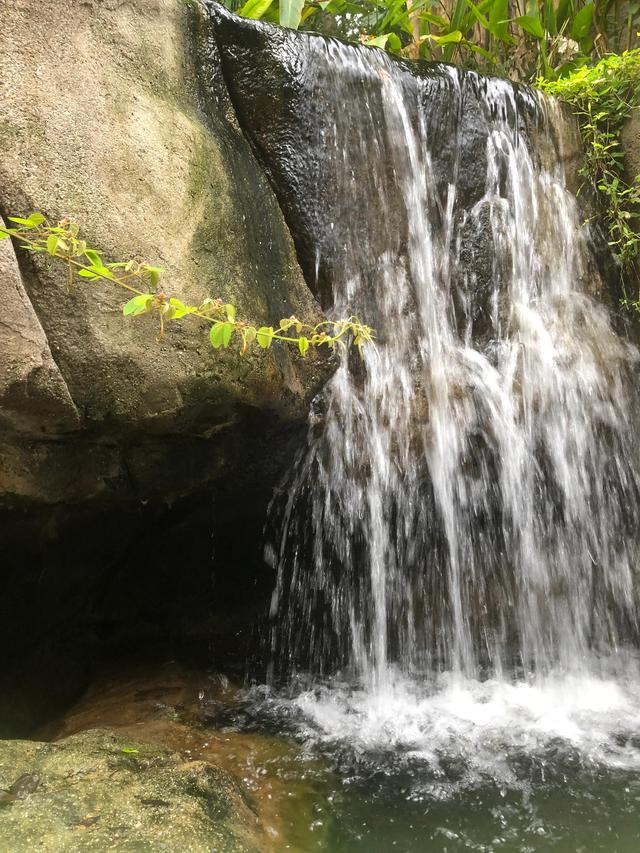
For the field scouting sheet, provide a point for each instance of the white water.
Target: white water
(460, 540)
(485, 724)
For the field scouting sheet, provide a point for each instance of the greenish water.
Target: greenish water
(416, 765)
(468, 767)
(578, 811)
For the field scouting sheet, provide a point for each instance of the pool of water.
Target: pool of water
(413, 765)
(460, 765)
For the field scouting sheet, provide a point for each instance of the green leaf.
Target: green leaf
(52, 243)
(581, 26)
(394, 44)
(250, 334)
(435, 19)
(476, 48)
(562, 14)
(531, 25)
(152, 275)
(378, 41)
(450, 38)
(4, 235)
(216, 334)
(264, 336)
(94, 272)
(572, 65)
(477, 14)
(254, 9)
(179, 308)
(290, 13)
(33, 220)
(93, 257)
(499, 19)
(586, 45)
(549, 19)
(227, 331)
(303, 345)
(231, 313)
(129, 750)
(140, 304)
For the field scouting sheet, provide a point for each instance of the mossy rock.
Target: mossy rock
(96, 791)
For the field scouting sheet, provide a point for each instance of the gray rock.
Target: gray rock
(35, 397)
(116, 115)
(105, 120)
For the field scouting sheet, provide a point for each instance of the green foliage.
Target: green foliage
(523, 39)
(603, 98)
(62, 241)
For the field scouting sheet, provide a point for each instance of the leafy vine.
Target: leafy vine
(35, 234)
(603, 98)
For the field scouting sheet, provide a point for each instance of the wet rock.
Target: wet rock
(196, 715)
(285, 93)
(101, 791)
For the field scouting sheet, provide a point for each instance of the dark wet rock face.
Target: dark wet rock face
(287, 93)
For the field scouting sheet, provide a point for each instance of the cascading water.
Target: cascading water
(457, 545)
(467, 503)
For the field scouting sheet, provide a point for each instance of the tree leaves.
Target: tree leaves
(220, 334)
(499, 19)
(32, 221)
(151, 275)
(581, 25)
(531, 25)
(180, 309)
(291, 13)
(255, 9)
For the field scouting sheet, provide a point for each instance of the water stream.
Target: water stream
(455, 614)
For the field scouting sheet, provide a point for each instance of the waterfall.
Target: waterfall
(467, 500)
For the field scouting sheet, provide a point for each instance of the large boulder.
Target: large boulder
(114, 114)
(123, 460)
(98, 791)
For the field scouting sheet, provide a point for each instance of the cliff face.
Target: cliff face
(113, 117)
(121, 457)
